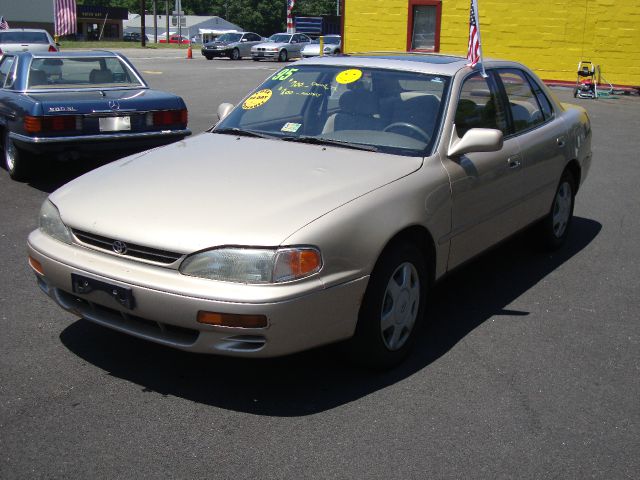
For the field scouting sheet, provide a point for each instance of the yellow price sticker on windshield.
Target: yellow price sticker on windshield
(349, 76)
(257, 99)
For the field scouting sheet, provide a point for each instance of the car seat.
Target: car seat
(101, 76)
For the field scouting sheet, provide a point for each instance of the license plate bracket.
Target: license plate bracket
(84, 285)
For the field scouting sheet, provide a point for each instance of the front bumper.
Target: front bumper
(301, 315)
(264, 54)
(216, 53)
(125, 142)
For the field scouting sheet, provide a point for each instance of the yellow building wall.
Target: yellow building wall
(549, 36)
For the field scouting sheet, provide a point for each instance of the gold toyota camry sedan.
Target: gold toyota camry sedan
(319, 209)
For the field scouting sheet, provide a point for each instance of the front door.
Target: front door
(486, 187)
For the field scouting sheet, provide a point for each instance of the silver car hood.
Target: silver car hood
(215, 189)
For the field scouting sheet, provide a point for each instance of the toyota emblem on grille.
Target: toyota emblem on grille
(114, 105)
(119, 247)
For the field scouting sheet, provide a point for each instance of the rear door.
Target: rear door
(542, 137)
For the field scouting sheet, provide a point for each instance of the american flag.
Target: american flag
(290, 27)
(64, 15)
(474, 51)
(3, 24)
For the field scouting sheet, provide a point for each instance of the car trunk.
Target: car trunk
(103, 111)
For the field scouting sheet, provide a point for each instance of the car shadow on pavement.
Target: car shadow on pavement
(322, 379)
(50, 176)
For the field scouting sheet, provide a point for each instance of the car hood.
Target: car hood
(218, 44)
(215, 189)
(93, 101)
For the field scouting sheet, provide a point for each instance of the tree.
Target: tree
(261, 16)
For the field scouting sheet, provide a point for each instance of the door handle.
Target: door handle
(513, 162)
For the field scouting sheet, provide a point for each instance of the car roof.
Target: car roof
(74, 54)
(24, 30)
(427, 63)
(434, 63)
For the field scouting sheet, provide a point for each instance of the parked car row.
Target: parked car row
(279, 46)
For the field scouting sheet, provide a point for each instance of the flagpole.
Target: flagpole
(482, 71)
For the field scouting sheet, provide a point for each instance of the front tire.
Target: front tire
(392, 309)
(208, 57)
(554, 228)
(235, 54)
(17, 162)
(283, 56)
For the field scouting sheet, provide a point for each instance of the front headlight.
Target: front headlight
(51, 223)
(254, 265)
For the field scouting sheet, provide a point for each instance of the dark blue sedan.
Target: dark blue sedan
(72, 105)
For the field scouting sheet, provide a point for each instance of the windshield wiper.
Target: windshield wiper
(242, 133)
(328, 141)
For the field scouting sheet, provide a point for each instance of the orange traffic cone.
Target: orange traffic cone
(189, 53)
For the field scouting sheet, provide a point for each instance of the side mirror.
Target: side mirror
(244, 40)
(475, 140)
(224, 109)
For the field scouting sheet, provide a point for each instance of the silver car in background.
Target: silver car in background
(281, 47)
(322, 208)
(331, 46)
(26, 40)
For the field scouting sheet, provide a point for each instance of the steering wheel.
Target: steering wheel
(425, 136)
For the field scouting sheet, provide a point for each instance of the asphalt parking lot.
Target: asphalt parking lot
(530, 367)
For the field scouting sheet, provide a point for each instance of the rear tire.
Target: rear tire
(208, 57)
(16, 161)
(392, 310)
(283, 56)
(554, 228)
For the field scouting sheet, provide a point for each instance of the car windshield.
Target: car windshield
(23, 37)
(230, 37)
(80, 72)
(280, 38)
(374, 109)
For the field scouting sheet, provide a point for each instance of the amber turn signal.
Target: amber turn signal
(32, 124)
(232, 320)
(304, 262)
(36, 265)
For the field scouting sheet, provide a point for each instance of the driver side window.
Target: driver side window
(479, 107)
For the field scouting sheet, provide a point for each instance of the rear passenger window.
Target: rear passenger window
(478, 106)
(545, 104)
(525, 109)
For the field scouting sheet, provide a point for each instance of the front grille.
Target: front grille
(133, 251)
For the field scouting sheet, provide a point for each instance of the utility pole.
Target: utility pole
(143, 18)
(155, 21)
(167, 31)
